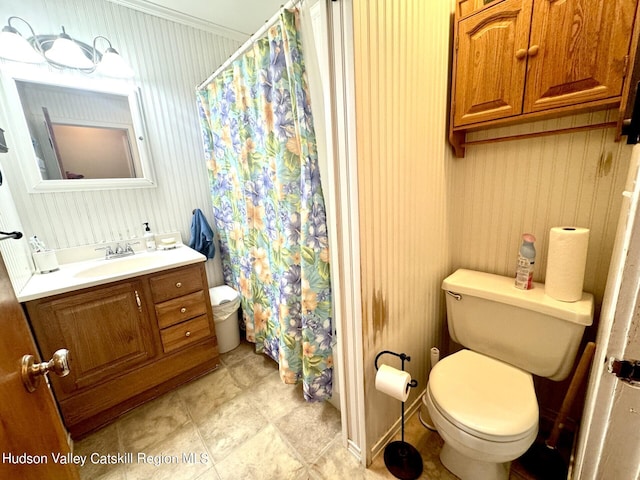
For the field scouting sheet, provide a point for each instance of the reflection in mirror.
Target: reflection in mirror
(80, 134)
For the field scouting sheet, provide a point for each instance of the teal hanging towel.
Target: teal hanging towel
(202, 235)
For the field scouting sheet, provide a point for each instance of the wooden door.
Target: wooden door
(608, 442)
(491, 62)
(29, 422)
(577, 51)
(106, 329)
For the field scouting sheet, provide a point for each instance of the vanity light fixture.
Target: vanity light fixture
(61, 51)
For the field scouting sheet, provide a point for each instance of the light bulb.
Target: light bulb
(113, 65)
(67, 53)
(14, 46)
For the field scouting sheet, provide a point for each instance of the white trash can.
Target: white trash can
(225, 302)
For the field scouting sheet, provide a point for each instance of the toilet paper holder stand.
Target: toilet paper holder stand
(401, 458)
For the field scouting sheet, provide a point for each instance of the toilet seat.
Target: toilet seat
(484, 397)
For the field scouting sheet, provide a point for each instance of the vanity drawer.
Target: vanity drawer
(185, 333)
(180, 309)
(175, 284)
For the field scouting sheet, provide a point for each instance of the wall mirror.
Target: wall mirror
(78, 134)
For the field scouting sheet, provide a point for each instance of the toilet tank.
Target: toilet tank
(486, 313)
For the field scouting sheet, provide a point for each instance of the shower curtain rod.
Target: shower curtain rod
(252, 39)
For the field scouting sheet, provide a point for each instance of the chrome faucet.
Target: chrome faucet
(118, 251)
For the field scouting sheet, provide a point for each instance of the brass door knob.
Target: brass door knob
(32, 372)
(521, 53)
(533, 50)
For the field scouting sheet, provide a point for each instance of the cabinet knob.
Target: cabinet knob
(183, 310)
(521, 53)
(533, 50)
(178, 284)
(188, 334)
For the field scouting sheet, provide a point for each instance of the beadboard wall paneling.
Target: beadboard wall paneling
(401, 68)
(15, 253)
(502, 190)
(170, 59)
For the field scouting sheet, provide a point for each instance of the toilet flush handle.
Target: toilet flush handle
(455, 295)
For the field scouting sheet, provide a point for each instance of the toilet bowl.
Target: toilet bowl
(485, 411)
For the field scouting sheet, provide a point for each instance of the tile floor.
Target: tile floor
(242, 422)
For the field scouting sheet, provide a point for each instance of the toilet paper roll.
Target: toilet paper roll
(566, 263)
(393, 382)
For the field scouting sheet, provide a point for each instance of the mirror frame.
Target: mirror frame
(24, 148)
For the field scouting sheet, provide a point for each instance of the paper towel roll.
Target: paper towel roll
(393, 382)
(566, 263)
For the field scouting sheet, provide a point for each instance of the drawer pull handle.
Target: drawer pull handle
(178, 284)
(138, 302)
(188, 334)
(183, 310)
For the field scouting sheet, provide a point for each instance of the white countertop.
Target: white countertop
(73, 276)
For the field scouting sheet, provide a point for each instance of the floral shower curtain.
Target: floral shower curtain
(268, 204)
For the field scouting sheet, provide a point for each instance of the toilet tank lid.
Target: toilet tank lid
(502, 289)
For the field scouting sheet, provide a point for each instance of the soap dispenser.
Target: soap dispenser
(149, 238)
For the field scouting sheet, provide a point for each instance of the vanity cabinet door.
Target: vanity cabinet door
(106, 330)
(577, 51)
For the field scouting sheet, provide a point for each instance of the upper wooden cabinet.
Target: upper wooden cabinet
(521, 60)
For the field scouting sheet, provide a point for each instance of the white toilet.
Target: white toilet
(481, 399)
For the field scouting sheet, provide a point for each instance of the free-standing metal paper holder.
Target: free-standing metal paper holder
(401, 458)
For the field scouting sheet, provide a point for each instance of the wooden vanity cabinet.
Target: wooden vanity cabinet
(522, 60)
(129, 341)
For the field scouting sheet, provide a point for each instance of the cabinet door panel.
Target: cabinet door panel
(105, 331)
(581, 49)
(491, 63)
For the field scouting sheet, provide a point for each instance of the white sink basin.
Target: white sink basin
(116, 266)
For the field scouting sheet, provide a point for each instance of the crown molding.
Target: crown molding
(180, 17)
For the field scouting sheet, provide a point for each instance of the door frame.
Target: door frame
(344, 178)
